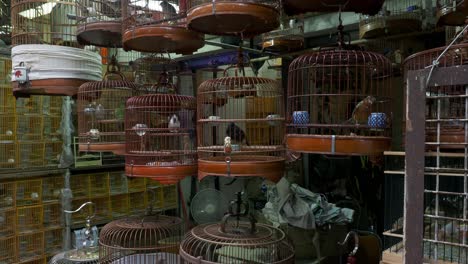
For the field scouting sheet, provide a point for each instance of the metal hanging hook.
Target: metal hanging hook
(81, 207)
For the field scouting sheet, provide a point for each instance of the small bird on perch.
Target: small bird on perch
(362, 111)
(236, 133)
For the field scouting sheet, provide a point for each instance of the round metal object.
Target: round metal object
(369, 7)
(139, 239)
(248, 18)
(236, 242)
(101, 34)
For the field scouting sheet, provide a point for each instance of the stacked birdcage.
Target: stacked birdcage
(452, 12)
(99, 23)
(227, 17)
(240, 126)
(101, 112)
(158, 26)
(395, 17)
(160, 137)
(339, 102)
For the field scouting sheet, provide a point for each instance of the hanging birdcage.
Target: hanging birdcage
(52, 70)
(146, 239)
(160, 137)
(99, 23)
(158, 26)
(369, 7)
(395, 17)
(101, 112)
(5, 23)
(43, 22)
(445, 105)
(236, 241)
(240, 127)
(148, 69)
(287, 38)
(452, 12)
(339, 102)
(227, 17)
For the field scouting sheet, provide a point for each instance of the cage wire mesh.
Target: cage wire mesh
(43, 22)
(148, 69)
(339, 102)
(451, 12)
(158, 26)
(227, 17)
(160, 137)
(236, 242)
(99, 23)
(101, 112)
(248, 110)
(395, 17)
(146, 239)
(5, 23)
(7, 101)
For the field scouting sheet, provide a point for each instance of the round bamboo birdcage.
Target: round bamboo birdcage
(147, 239)
(445, 105)
(160, 137)
(339, 102)
(236, 242)
(99, 23)
(158, 26)
(228, 17)
(101, 112)
(44, 22)
(5, 23)
(248, 110)
(395, 17)
(369, 7)
(452, 12)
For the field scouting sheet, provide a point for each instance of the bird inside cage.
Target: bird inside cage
(236, 134)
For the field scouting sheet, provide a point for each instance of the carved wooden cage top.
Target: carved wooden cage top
(160, 137)
(337, 98)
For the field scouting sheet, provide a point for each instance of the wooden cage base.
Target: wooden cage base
(389, 26)
(271, 168)
(102, 34)
(282, 45)
(233, 18)
(162, 39)
(116, 148)
(162, 174)
(338, 145)
(59, 87)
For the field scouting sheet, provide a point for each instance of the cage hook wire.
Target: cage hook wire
(436, 62)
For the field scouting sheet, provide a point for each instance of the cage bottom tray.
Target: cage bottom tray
(449, 138)
(163, 174)
(116, 148)
(162, 39)
(389, 26)
(268, 167)
(102, 34)
(68, 87)
(338, 145)
(282, 44)
(232, 18)
(450, 16)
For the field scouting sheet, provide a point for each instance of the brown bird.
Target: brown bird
(362, 111)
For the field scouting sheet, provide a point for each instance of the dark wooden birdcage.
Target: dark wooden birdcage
(445, 105)
(369, 7)
(101, 112)
(158, 26)
(452, 12)
(395, 17)
(240, 126)
(339, 102)
(43, 22)
(148, 70)
(160, 137)
(146, 239)
(99, 23)
(230, 17)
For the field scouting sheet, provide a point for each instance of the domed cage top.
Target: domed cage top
(452, 12)
(160, 137)
(101, 112)
(230, 17)
(445, 105)
(339, 102)
(43, 22)
(248, 110)
(369, 7)
(146, 239)
(395, 17)
(99, 23)
(236, 242)
(158, 26)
